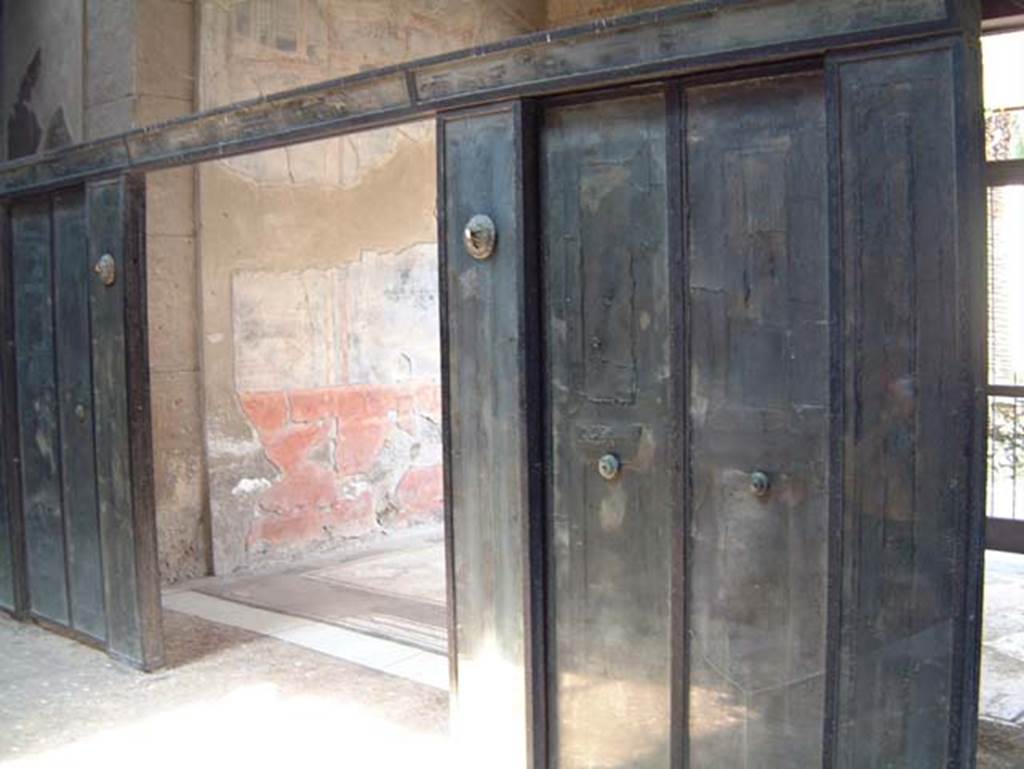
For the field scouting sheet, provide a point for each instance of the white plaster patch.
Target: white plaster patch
(250, 486)
(373, 321)
(284, 330)
(389, 307)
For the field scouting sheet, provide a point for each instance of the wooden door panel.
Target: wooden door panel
(84, 504)
(72, 275)
(757, 204)
(38, 410)
(606, 266)
(7, 540)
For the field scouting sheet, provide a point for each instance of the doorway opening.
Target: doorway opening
(1002, 683)
(296, 393)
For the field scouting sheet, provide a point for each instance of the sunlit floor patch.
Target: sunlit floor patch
(368, 651)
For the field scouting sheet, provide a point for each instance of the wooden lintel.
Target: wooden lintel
(688, 37)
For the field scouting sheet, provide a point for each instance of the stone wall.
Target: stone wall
(43, 75)
(75, 70)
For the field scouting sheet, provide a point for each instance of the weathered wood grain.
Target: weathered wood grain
(120, 401)
(757, 203)
(37, 410)
(488, 476)
(8, 428)
(909, 426)
(710, 28)
(687, 37)
(609, 354)
(11, 437)
(72, 276)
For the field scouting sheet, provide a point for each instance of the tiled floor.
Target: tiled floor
(383, 608)
(379, 654)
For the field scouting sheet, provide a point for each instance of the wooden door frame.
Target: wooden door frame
(652, 46)
(113, 212)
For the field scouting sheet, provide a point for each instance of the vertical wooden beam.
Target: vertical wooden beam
(72, 278)
(913, 448)
(13, 588)
(39, 430)
(116, 223)
(972, 278)
(492, 460)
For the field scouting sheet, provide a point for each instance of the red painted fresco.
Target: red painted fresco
(349, 461)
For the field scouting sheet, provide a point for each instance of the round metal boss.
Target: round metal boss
(480, 236)
(609, 466)
(760, 484)
(106, 268)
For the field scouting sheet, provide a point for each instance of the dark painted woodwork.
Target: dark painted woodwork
(487, 400)
(9, 568)
(1005, 172)
(709, 29)
(606, 271)
(116, 226)
(72, 275)
(37, 410)
(79, 352)
(1004, 534)
(693, 36)
(757, 204)
(911, 444)
(1003, 11)
(12, 534)
(6, 532)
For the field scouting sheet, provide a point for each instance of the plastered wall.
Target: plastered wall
(292, 311)
(320, 339)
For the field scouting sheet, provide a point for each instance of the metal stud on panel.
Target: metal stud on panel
(480, 237)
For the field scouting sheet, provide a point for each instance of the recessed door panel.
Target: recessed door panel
(81, 452)
(757, 199)
(37, 410)
(606, 268)
(72, 275)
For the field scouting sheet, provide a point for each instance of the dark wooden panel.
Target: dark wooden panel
(37, 410)
(684, 37)
(609, 340)
(711, 28)
(757, 203)
(13, 532)
(6, 529)
(8, 426)
(120, 401)
(488, 499)
(77, 460)
(911, 391)
(1004, 534)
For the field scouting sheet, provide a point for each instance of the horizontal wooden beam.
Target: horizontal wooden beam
(1003, 9)
(1004, 534)
(688, 37)
(1003, 173)
(1006, 391)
